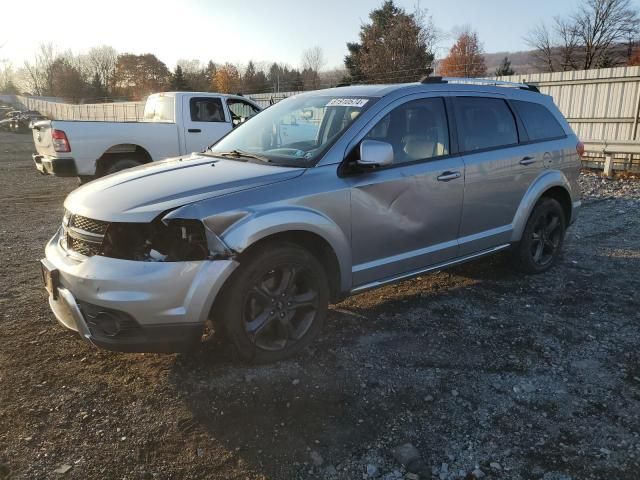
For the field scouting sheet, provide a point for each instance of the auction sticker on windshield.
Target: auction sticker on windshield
(347, 102)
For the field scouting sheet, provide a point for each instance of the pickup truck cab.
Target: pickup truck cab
(174, 123)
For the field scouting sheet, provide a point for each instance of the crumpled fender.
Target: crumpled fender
(256, 225)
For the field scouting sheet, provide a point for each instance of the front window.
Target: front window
(241, 110)
(295, 132)
(416, 130)
(205, 109)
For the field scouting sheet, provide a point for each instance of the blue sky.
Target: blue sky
(239, 30)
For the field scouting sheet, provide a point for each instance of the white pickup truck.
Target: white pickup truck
(174, 123)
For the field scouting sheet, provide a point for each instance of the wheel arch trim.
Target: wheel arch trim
(259, 225)
(546, 181)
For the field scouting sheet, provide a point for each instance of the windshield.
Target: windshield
(294, 132)
(159, 108)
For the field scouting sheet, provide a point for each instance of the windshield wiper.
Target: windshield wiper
(240, 154)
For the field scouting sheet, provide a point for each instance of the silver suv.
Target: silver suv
(321, 196)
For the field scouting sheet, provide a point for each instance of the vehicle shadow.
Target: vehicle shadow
(335, 397)
(386, 366)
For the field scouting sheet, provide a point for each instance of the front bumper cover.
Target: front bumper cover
(165, 304)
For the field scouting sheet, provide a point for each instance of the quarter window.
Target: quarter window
(416, 130)
(539, 122)
(484, 123)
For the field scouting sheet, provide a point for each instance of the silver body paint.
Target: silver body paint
(382, 225)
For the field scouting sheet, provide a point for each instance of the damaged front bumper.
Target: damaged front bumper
(133, 306)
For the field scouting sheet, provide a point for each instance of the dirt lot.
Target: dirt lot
(480, 369)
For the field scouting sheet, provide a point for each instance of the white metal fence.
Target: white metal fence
(602, 106)
(115, 112)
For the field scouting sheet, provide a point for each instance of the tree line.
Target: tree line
(104, 74)
(394, 46)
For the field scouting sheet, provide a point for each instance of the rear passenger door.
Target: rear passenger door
(489, 140)
(543, 136)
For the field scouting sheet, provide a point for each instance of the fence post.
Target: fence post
(608, 165)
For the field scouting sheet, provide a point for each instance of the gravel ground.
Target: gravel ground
(468, 373)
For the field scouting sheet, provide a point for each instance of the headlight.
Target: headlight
(175, 240)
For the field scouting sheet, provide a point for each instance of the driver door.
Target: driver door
(205, 122)
(406, 216)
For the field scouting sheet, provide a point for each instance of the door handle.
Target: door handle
(194, 130)
(448, 176)
(527, 161)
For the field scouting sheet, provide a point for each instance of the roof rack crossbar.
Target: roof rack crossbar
(481, 81)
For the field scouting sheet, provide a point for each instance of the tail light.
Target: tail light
(60, 142)
(580, 149)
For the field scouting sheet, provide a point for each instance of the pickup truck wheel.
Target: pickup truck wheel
(542, 238)
(276, 303)
(121, 165)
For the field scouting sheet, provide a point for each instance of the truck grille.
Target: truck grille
(82, 235)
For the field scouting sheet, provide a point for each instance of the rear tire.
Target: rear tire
(275, 304)
(121, 165)
(542, 239)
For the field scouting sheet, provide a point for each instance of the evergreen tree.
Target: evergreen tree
(504, 69)
(178, 82)
(395, 47)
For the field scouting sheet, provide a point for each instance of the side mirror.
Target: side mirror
(374, 153)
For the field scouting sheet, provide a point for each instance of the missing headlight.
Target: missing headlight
(171, 241)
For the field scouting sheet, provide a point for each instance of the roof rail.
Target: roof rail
(480, 81)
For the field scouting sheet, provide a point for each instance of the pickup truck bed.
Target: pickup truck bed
(175, 123)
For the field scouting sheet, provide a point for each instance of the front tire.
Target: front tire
(542, 239)
(275, 303)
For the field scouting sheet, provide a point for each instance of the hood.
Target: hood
(140, 194)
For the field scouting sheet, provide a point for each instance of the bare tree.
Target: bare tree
(101, 64)
(312, 62)
(40, 72)
(313, 59)
(568, 44)
(593, 37)
(540, 40)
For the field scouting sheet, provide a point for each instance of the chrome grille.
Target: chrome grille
(82, 235)
(89, 224)
(82, 246)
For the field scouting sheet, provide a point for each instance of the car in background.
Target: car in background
(174, 123)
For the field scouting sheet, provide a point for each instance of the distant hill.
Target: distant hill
(521, 62)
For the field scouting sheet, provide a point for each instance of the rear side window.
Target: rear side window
(484, 123)
(539, 122)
